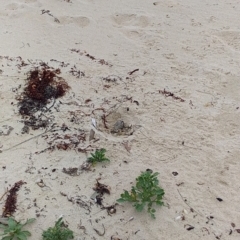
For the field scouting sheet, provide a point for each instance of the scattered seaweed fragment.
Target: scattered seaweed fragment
(11, 201)
(170, 94)
(101, 188)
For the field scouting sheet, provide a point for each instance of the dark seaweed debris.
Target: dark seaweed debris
(11, 201)
(101, 188)
(43, 86)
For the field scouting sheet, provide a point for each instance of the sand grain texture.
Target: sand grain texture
(189, 48)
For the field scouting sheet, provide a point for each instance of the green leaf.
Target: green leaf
(31, 220)
(139, 207)
(159, 203)
(98, 156)
(7, 238)
(21, 236)
(26, 233)
(153, 210)
(12, 223)
(3, 226)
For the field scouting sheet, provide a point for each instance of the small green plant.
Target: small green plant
(58, 232)
(98, 156)
(146, 192)
(13, 230)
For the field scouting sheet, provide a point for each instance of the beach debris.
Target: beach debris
(69, 141)
(40, 183)
(111, 209)
(182, 216)
(42, 89)
(71, 171)
(80, 226)
(93, 196)
(174, 173)
(91, 134)
(76, 73)
(98, 232)
(104, 119)
(185, 211)
(127, 146)
(112, 78)
(11, 201)
(49, 14)
(84, 53)
(219, 199)
(170, 94)
(135, 101)
(101, 188)
(94, 123)
(133, 71)
(98, 200)
(129, 220)
(87, 101)
(78, 200)
(179, 218)
(189, 227)
(43, 84)
(115, 238)
(186, 202)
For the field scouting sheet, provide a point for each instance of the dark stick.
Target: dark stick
(135, 70)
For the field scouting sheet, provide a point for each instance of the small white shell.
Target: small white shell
(94, 122)
(41, 184)
(185, 211)
(112, 210)
(178, 218)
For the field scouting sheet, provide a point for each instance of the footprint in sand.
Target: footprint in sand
(13, 6)
(79, 21)
(16, 9)
(132, 20)
(230, 38)
(131, 25)
(21, 4)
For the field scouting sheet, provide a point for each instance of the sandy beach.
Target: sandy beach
(168, 70)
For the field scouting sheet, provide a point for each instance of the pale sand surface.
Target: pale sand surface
(190, 48)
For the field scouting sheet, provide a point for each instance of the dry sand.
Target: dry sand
(190, 48)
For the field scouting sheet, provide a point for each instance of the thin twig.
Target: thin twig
(4, 194)
(100, 234)
(131, 72)
(188, 204)
(26, 141)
